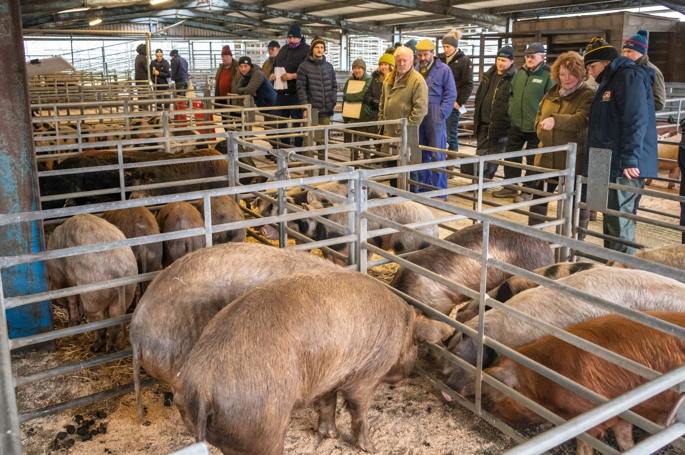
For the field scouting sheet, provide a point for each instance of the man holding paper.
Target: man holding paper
(284, 77)
(354, 109)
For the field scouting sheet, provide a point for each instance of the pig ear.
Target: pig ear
(429, 330)
(311, 197)
(469, 389)
(505, 374)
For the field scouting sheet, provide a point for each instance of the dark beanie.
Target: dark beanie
(245, 59)
(226, 50)
(316, 41)
(173, 53)
(295, 31)
(599, 50)
(637, 42)
(506, 52)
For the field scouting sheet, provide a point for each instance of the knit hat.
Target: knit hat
(159, 51)
(387, 58)
(360, 63)
(273, 44)
(452, 38)
(295, 31)
(245, 59)
(411, 44)
(535, 48)
(173, 53)
(506, 52)
(637, 42)
(226, 50)
(599, 50)
(316, 41)
(425, 45)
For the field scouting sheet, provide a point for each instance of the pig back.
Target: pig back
(183, 298)
(505, 245)
(295, 339)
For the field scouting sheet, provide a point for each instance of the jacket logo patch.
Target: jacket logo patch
(537, 81)
(606, 96)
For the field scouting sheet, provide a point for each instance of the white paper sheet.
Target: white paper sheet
(278, 83)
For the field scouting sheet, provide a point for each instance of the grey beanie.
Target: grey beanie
(451, 40)
(360, 63)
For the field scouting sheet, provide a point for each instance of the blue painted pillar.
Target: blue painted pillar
(18, 180)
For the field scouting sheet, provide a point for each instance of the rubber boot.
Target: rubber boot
(583, 221)
(540, 210)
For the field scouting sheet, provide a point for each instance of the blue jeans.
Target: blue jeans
(285, 100)
(452, 124)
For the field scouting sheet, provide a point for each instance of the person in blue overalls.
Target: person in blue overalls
(442, 93)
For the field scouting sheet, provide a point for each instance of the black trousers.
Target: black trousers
(517, 139)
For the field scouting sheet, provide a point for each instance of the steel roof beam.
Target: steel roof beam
(581, 8)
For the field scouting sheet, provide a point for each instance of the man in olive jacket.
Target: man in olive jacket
(527, 89)
(405, 95)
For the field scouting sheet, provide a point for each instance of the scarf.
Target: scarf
(563, 92)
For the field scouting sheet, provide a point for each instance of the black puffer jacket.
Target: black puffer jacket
(141, 63)
(164, 71)
(317, 85)
(500, 121)
(290, 59)
(462, 70)
(373, 94)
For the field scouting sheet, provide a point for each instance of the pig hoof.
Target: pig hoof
(328, 432)
(446, 397)
(367, 446)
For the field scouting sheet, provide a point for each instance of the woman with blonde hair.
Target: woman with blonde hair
(563, 118)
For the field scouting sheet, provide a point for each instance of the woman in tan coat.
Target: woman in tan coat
(563, 118)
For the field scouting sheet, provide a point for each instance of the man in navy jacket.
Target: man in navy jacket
(622, 119)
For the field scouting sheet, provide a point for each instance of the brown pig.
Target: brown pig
(181, 301)
(507, 246)
(90, 268)
(139, 222)
(225, 210)
(298, 341)
(179, 216)
(652, 348)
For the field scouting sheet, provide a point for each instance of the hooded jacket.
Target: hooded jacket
(527, 90)
(658, 87)
(140, 65)
(255, 83)
(290, 59)
(622, 119)
(462, 70)
(372, 98)
(359, 97)
(317, 85)
(499, 115)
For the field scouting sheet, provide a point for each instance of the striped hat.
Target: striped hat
(599, 50)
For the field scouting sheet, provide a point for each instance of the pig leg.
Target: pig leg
(100, 335)
(325, 406)
(358, 402)
(583, 449)
(623, 432)
(74, 310)
(117, 308)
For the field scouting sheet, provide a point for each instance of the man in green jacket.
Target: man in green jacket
(528, 87)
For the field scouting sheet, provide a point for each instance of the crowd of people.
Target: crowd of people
(537, 105)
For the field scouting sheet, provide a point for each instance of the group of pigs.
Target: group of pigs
(243, 332)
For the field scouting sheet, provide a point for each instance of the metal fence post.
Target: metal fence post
(10, 437)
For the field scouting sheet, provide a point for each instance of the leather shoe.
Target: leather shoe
(505, 192)
(523, 197)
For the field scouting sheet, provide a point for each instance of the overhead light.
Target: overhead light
(157, 2)
(95, 22)
(74, 10)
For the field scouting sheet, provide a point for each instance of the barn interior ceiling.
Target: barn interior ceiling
(269, 19)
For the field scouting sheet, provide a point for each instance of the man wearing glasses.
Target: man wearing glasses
(527, 89)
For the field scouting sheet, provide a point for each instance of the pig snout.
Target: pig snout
(269, 232)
